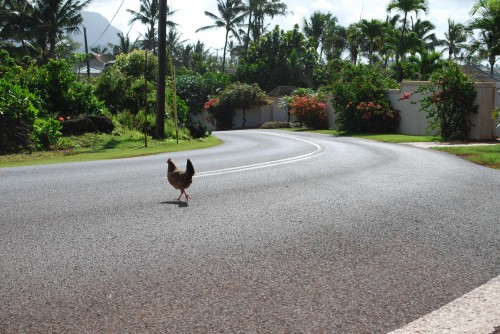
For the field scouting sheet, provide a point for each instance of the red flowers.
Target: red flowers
(310, 111)
(306, 104)
(211, 103)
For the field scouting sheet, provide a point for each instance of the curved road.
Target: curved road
(284, 232)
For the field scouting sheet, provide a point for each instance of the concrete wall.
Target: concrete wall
(413, 121)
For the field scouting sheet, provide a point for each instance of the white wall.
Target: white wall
(413, 121)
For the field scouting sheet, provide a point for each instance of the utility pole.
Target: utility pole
(146, 98)
(86, 51)
(162, 62)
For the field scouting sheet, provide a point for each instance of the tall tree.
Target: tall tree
(454, 38)
(406, 7)
(486, 18)
(279, 59)
(148, 15)
(15, 16)
(231, 14)
(335, 42)
(424, 33)
(54, 18)
(355, 40)
(125, 45)
(373, 31)
(257, 11)
(317, 27)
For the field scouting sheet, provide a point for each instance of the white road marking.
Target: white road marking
(477, 312)
(317, 151)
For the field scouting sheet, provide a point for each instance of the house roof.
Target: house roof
(478, 74)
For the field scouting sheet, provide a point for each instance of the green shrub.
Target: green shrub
(359, 99)
(449, 102)
(195, 89)
(60, 92)
(122, 86)
(20, 128)
(46, 133)
(277, 125)
(17, 115)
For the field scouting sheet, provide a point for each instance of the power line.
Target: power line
(109, 24)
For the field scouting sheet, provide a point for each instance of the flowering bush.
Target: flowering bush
(218, 115)
(449, 102)
(359, 99)
(310, 111)
(236, 95)
(212, 103)
(373, 116)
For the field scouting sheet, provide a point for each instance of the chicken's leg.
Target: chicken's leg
(186, 196)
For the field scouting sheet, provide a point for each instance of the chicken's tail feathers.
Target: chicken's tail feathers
(189, 167)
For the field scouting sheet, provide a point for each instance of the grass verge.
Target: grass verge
(101, 146)
(385, 137)
(485, 155)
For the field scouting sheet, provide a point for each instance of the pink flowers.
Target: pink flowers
(368, 109)
(405, 96)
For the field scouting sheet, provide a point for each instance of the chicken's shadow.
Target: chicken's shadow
(181, 204)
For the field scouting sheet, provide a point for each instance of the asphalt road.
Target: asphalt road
(284, 232)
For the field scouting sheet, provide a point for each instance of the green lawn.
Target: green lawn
(101, 146)
(388, 138)
(486, 155)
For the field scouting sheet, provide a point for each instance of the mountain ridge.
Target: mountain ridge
(98, 32)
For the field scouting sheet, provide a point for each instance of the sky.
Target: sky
(190, 15)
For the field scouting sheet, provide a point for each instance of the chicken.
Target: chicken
(180, 179)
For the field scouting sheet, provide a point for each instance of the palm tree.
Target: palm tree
(14, 18)
(486, 18)
(53, 18)
(317, 28)
(389, 41)
(426, 63)
(257, 10)
(405, 7)
(454, 38)
(148, 15)
(232, 14)
(423, 30)
(335, 42)
(355, 41)
(373, 31)
(125, 46)
(174, 44)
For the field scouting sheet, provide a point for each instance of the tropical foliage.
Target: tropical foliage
(359, 99)
(236, 95)
(279, 59)
(449, 102)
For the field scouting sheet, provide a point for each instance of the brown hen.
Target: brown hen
(180, 179)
